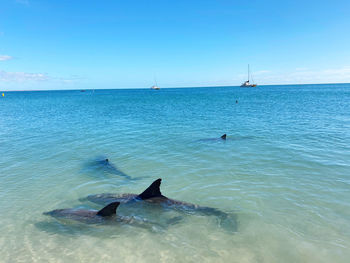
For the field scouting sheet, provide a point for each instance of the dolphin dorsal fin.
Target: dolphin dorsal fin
(223, 137)
(152, 191)
(109, 210)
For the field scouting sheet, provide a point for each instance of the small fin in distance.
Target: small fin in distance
(223, 137)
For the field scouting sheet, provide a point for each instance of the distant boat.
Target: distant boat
(155, 87)
(246, 84)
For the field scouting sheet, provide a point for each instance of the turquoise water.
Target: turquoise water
(283, 173)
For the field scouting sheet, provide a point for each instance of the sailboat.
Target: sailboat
(246, 84)
(155, 87)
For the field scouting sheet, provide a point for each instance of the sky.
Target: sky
(63, 44)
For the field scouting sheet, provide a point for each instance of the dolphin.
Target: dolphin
(103, 164)
(230, 138)
(107, 215)
(152, 195)
(221, 138)
(86, 216)
(111, 168)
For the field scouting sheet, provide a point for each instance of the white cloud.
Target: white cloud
(338, 72)
(301, 69)
(5, 57)
(24, 2)
(306, 76)
(22, 76)
(68, 80)
(260, 72)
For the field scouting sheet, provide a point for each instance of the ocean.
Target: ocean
(282, 175)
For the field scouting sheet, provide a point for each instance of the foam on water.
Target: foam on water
(283, 172)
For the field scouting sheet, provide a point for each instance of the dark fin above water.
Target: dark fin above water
(109, 210)
(223, 137)
(152, 191)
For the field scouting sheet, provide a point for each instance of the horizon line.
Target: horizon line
(184, 87)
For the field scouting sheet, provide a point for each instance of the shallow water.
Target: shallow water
(282, 174)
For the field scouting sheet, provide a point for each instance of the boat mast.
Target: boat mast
(248, 72)
(155, 80)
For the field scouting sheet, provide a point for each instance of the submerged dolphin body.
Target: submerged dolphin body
(221, 138)
(106, 215)
(152, 195)
(111, 168)
(230, 138)
(86, 216)
(103, 164)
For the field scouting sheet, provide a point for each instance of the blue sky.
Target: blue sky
(62, 44)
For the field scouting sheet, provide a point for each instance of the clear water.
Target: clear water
(284, 172)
